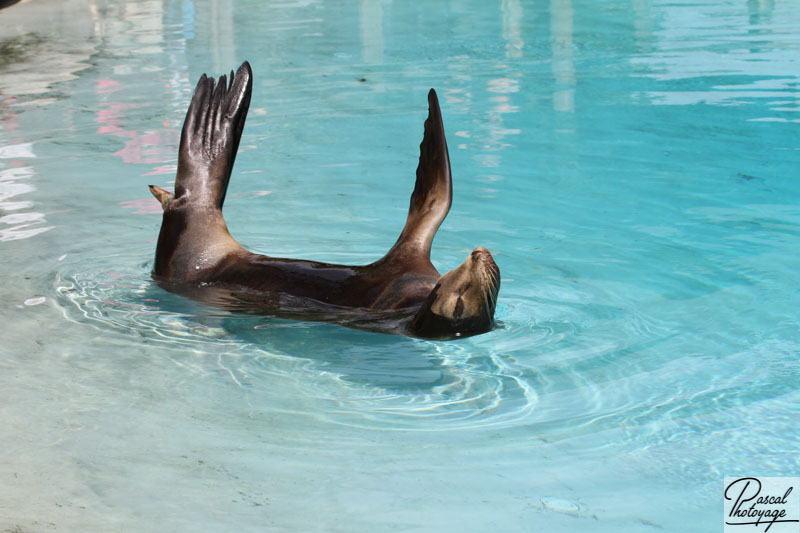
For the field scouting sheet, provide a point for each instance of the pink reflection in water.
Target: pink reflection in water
(155, 147)
(105, 86)
(140, 148)
(142, 206)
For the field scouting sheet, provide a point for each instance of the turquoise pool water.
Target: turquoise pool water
(632, 164)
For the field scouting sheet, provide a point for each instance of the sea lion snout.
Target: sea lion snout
(481, 257)
(463, 301)
(487, 270)
(479, 252)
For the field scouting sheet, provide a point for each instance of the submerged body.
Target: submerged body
(400, 293)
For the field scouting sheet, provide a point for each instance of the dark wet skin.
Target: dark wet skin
(402, 293)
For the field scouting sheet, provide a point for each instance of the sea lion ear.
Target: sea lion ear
(164, 197)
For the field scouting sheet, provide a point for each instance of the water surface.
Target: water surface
(631, 164)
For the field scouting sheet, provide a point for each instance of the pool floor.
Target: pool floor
(630, 164)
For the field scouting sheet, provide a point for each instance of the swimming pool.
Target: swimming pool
(631, 164)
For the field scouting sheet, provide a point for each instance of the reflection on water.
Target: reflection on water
(512, 27)
(16, 221)
(648, 255)
(757, 62)
(150, 147)
(372, 44)
(563, 66)
(41, 45)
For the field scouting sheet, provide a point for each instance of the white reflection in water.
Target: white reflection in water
(512, 27)
(11, 151)
(563, 55)
(22, 224)
(756, 53)
(371, 32)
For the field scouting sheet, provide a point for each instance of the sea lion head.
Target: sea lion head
(463, 301)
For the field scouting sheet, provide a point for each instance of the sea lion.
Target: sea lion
(400, 293)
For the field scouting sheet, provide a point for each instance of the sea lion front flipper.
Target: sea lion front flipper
(433, 191)
(210, 139)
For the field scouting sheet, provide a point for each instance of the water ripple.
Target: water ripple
(474, 392)
(361, 379)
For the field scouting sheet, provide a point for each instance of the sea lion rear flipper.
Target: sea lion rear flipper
(433, 191)
(210, 139)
